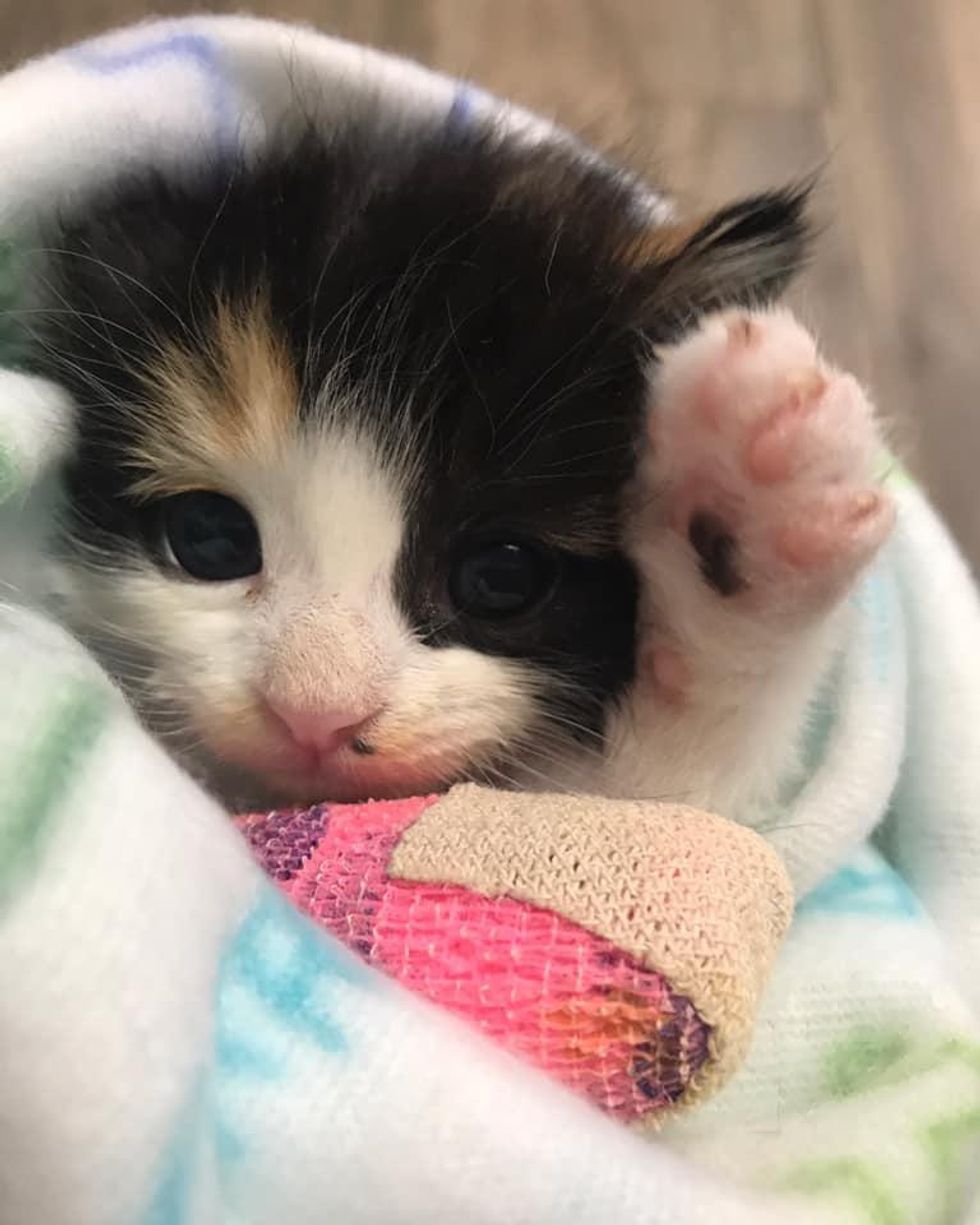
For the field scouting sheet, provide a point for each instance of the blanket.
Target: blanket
(177, 1044)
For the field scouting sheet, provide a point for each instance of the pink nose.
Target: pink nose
(323, 730)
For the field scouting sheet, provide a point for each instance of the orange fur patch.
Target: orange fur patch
(662, 242)
(208, 411)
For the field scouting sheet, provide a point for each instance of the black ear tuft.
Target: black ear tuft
(744, 255)
(753, 246)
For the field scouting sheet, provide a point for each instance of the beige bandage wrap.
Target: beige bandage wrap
(697, 898)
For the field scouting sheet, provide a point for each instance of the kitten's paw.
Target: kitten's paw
(762, 457)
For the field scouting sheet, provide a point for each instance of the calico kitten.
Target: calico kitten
(407, 458)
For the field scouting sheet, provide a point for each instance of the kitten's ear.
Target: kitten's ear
(743, 255)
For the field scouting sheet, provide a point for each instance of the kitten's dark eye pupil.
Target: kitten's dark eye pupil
(500, 579)
(212, 537)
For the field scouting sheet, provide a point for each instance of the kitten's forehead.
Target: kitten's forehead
(477, 297)
(207, 409)
(333, 512)
(335, 461)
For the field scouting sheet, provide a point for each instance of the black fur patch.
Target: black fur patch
(480, 299)
(717, 550)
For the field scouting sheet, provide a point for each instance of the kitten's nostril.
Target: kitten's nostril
(323, 730)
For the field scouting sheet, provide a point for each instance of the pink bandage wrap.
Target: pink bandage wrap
(553, 993)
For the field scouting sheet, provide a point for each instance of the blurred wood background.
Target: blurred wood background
(717, 97)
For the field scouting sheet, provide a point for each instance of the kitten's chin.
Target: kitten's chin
(262, 779)
(240, 789)
(355, 791)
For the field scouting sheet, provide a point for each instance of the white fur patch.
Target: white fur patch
(725, 682)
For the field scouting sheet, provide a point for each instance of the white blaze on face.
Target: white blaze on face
(265, 672)
(332, 528)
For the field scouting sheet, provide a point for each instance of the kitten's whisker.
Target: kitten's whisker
(192, 272)
(116, 273)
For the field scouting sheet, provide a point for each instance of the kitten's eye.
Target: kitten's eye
(212, 537)
(493, 580)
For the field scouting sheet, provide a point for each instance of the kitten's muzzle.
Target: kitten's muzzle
(324, 732)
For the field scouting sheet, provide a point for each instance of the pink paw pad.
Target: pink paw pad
(765, 452)
(853, 520)
(774, 446)
(666, 667)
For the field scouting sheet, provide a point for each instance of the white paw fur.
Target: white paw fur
(753, 434)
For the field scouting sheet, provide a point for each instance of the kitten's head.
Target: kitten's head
(355, 423)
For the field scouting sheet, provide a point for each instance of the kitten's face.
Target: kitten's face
(355, 427)
(290, 631)
(324, 607)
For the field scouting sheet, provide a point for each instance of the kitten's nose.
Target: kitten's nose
(324, 730)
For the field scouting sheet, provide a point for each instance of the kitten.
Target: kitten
(409, 458)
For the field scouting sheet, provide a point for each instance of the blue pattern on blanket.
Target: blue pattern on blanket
(460, 114)
(866, 885)
(276, 991)
(172, 1202)
(877, 600)
(277, 982)
(113, 57)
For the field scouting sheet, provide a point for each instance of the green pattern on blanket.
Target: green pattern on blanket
(892, 472)
(9, 473)
(875, 1058)
(861, 1060)
(859, 1181)
(34, 783)
(948, 1143)
(9, 292)
(931, 1090)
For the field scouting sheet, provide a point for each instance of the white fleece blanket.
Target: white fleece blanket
(154, 1065)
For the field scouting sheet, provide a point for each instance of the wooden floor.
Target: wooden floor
(726, 96)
